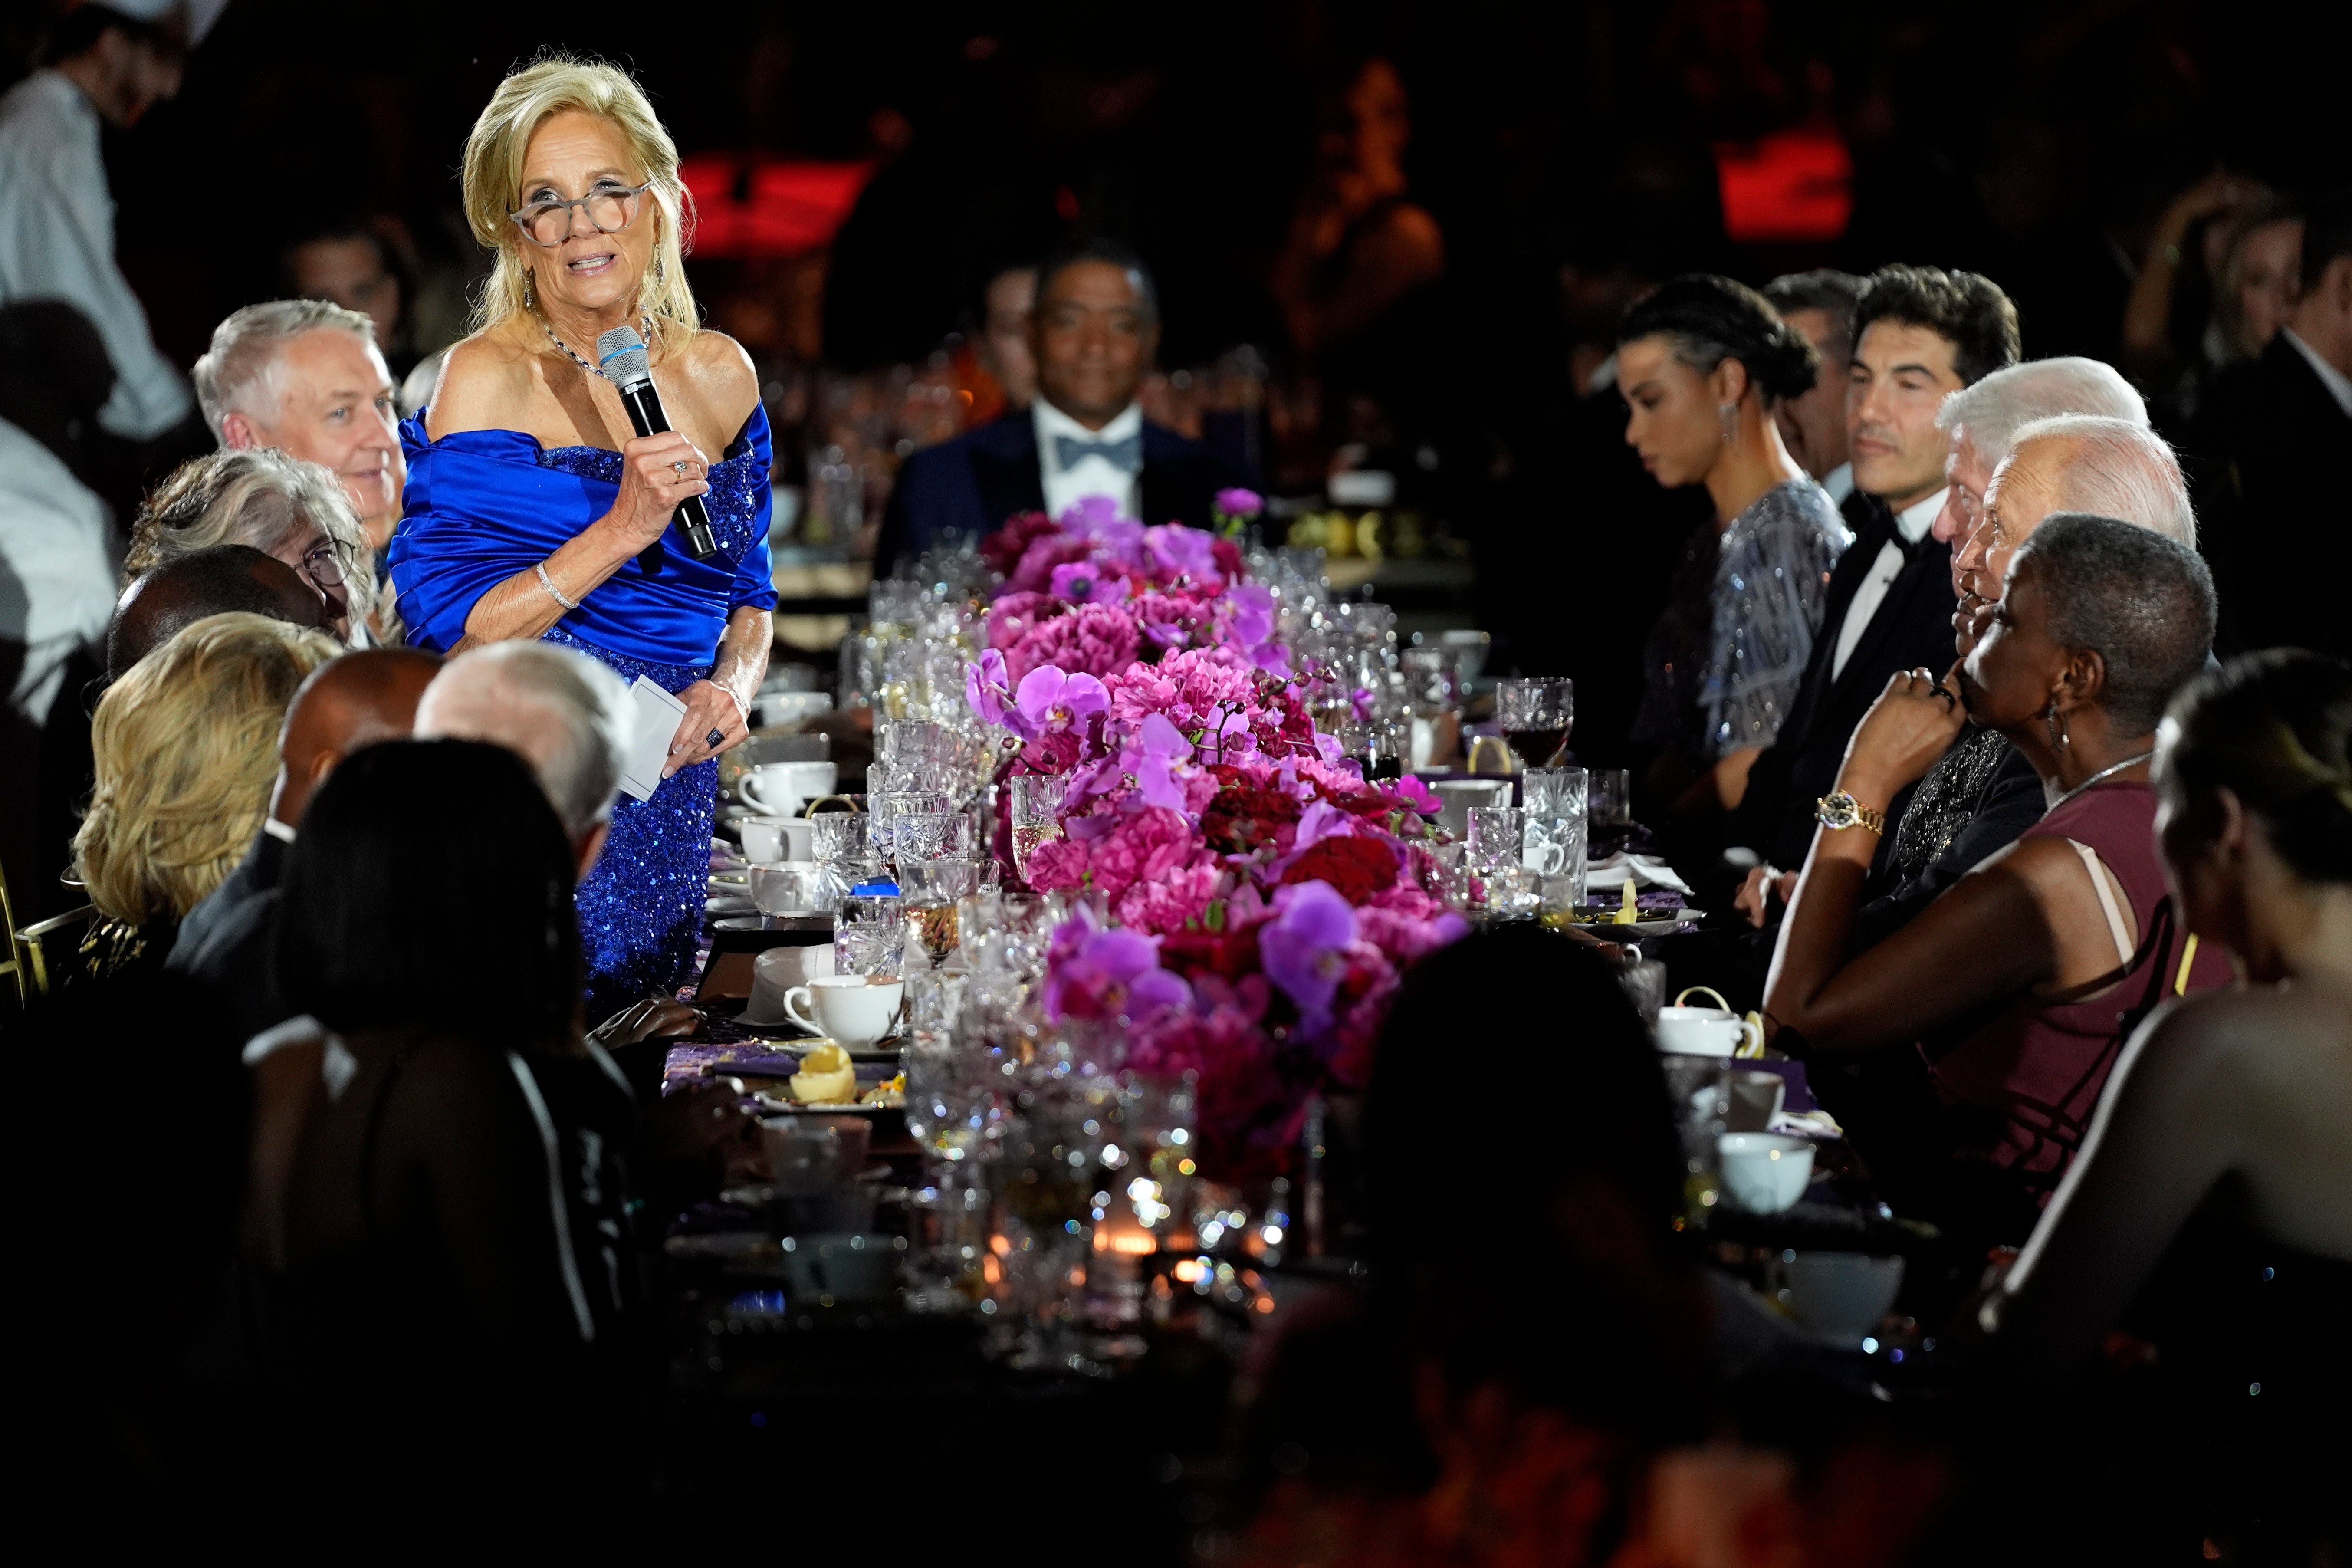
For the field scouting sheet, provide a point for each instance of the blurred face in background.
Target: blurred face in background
(1094, 342)
(336, 409)
(1673, 420)
(123, 77)
(1901, 376)
(1813, 426)
(2270, 270)
(347, 271)
(1009, 301)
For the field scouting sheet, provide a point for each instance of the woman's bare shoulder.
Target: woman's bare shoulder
(722, 375)
(484, 383)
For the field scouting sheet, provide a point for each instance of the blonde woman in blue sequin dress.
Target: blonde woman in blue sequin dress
(530, 507)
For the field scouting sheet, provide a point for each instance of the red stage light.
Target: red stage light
(1793, 185)
(767, 209)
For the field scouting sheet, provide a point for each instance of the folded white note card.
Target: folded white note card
(654, 725)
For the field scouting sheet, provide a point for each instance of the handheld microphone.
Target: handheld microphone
(620, 353)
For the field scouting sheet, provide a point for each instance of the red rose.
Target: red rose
(1355, 866)
(1241, 817)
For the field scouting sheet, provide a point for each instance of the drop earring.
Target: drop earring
(2054, 723)
(1725, 411)
(529, 290)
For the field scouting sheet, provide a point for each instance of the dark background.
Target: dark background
(2034, 141)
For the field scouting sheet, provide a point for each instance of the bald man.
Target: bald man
(180, 593)
(347, 703)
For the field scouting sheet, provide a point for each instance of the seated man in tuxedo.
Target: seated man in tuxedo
(1818, 306)
(2273, 438)
(347, 703)
(1092, 334)
(1920, 334)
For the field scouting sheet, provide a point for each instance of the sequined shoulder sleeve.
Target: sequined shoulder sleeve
(1770, 586)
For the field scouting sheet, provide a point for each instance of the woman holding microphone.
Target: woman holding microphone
(534, 511)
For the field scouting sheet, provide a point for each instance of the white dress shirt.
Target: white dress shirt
(56, 242)
(1912, 522)
(1839, 482)
(57, 578)
(2339, 384)
(1091, 475)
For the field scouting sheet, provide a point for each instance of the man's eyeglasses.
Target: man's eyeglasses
(611, 207)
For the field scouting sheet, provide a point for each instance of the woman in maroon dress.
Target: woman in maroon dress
(2017, 985)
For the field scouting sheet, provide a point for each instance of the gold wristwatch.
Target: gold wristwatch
(1841, 810)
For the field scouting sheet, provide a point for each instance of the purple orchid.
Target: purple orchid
(1417, 794)
(1180, 551)
(1098, 518)
(1084, 583)
(1252, 613)
(1239, 503)
(1304, 949)
(1098, 973)
(988, 688)
(1051, 700)
(1152, 755)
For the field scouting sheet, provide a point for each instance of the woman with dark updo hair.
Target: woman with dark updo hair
(2210, 1209)
(1701, 362)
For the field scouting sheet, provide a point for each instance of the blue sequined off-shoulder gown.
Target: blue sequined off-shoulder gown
(482, 505)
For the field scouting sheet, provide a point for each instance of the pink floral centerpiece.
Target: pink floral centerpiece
(1264, 896)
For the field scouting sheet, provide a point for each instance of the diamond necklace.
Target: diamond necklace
(644, 326)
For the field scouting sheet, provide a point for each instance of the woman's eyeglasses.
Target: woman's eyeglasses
(323, 567)
(611, 207)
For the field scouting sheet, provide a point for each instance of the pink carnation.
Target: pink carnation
(1094, 640)
(1169, 903)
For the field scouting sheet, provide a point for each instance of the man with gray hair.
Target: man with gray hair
(1983, 422)
(2074, 462)
(306, 377)
(563, 714)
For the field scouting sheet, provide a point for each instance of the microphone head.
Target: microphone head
(621, 354)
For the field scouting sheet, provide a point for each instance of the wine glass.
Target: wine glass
(1036, 815)
(1536, 715)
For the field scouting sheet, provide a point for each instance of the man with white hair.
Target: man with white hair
(1983, 422)
(106, 63)
(563, 714)
(2074, 462)
(306, 377)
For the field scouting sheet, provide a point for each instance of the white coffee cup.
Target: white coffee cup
(778, 971)
(1706, 1032)
(784, 789)
(772, 840)
(855, 1010)
(1764, 1172)
(843, 1266)
(1837, 1296)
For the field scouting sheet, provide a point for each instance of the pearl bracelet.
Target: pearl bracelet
(553, 592)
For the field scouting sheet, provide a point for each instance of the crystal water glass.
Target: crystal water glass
(1036, 814)
(1498, 834)
(1552, 792)
(917, 836)
(888, 805)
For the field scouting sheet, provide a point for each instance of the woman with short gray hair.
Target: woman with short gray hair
(2017, 985)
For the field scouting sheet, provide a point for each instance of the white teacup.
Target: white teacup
(1839, 1296)
(1764, 1172)
(774, 840)
(843, 1266)
(855, 1010)
(784, 789)
(1706, 1032)
(778, 971)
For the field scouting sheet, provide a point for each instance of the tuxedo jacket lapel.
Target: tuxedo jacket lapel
(1906, 605)
(1004, 470)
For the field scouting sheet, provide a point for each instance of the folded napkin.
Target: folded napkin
(1607, 877)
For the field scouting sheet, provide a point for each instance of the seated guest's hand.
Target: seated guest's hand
(1914, 721)
(656, 1017)
(1755, 897)
(691, 1137)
